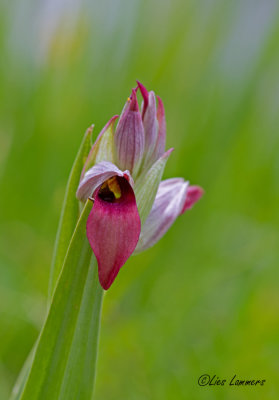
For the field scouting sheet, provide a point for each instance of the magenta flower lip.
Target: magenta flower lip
(132, 209)
(113, 243)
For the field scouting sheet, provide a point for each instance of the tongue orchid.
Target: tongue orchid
(132, 209)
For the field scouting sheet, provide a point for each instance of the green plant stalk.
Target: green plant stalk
(79, 376)
(65, 358)
(22, 377)
(68, 220)
(69, 213)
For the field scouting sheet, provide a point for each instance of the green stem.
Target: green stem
(67, 224)
(22, 377)
(64, 365)
(86, 338)
(69, 214)
(81, 366)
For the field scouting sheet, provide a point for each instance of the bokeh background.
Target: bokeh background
(206, 298)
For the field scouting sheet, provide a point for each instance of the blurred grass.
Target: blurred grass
(205, 299)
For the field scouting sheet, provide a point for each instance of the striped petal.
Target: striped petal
(171, 201)
(150, 123)
(161, 138)
(96, 175)
(154, 126)
(194, 193)
(129, 137)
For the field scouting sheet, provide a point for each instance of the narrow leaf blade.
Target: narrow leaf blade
(55, 341)
(79, 376)
(69, 213)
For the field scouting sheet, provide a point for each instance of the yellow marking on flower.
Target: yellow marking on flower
(114, 187)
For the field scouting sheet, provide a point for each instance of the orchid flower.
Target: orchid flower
(132, 208)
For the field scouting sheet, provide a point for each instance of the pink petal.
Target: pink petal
(144, 93)
(194, 193)
(167, 207)
(113, 229)
(154, 125)
(129, 137)
(150, 127)
(161, 138)
(96, 175)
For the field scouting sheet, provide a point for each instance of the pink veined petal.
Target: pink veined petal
(167, 207)
(144, 93)
(150, 123)
(154, 122)
(161, 138)
(129, 137)
(160, 144)
(96, 175)
(113, 230)
(194, 193)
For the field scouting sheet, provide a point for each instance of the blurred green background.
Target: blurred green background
(205, 299)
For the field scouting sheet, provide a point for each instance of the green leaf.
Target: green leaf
(103, 148)
(105, 145)
(79, 376)
(69, 213)
(65, 359)
(22, 377)
(147, 184)
(68, 219)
